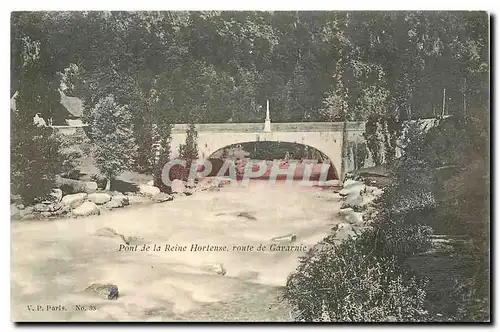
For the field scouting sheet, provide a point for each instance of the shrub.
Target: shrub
(394, 238)
(399, 227)
(347, 283)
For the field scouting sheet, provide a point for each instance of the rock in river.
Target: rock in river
(147, 190)
(121, 198)
(113, 204)
(162, 197)
(99, 198)
(74, 200)
(105, 291)
(177, 186)
(86, 209)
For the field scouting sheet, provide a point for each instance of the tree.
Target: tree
(113, 140)
(35, 158)
(163, 138)
(189, 150)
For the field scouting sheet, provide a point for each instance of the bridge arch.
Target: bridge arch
(317, 155)
(215, 137)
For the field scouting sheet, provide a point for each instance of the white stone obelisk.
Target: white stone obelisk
(267, 124)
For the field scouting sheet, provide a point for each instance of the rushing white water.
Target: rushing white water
(53, 261)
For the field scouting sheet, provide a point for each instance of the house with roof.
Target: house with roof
(65, 116)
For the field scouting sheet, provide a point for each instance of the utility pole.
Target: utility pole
(345, 109)
(444, 102)
(465, 101)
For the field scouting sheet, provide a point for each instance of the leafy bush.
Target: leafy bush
(399, 228)
(394, 238)
(347, 283)
(36, 158)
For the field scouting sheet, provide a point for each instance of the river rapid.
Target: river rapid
(52, 262)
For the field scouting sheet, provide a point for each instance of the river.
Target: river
(52, 262)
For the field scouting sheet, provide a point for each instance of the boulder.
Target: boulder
(134, 199)
(354, 201)
(46, 214)
(162, 197)
(190, 184)
(289, 238)
(111, 233)
(26, 211)
(147, 190)
(343, 230)
(124, 200)
(134, 240)
(86, 209)
(65, 209)
(90, 187)
(56, 195)
(331, 183)
(352, 217)
(99, 198)
(105, 291)
(151, 183)
(356, 188)
(70, 186)
(55, 207)
(221, 182)
(350, 182)
(113, 204)
(374, 190)
(40, 207)
(16, 198)
(74, 200)
(29, 216)
(343, 226)
(246, 215)
(205, 185)
(15, 213)
(178, 186)
(106, 231)
(215, 268)
(188, 191)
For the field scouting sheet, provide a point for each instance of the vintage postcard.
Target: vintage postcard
(250, 166)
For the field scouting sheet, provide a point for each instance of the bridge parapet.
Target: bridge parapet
(277, 127)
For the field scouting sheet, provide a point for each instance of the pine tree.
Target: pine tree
(164, 130)
(189, 150)
(113, 139)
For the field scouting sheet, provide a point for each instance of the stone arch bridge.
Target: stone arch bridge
(326, 137)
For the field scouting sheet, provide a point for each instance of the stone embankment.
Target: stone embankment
(357, 206)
